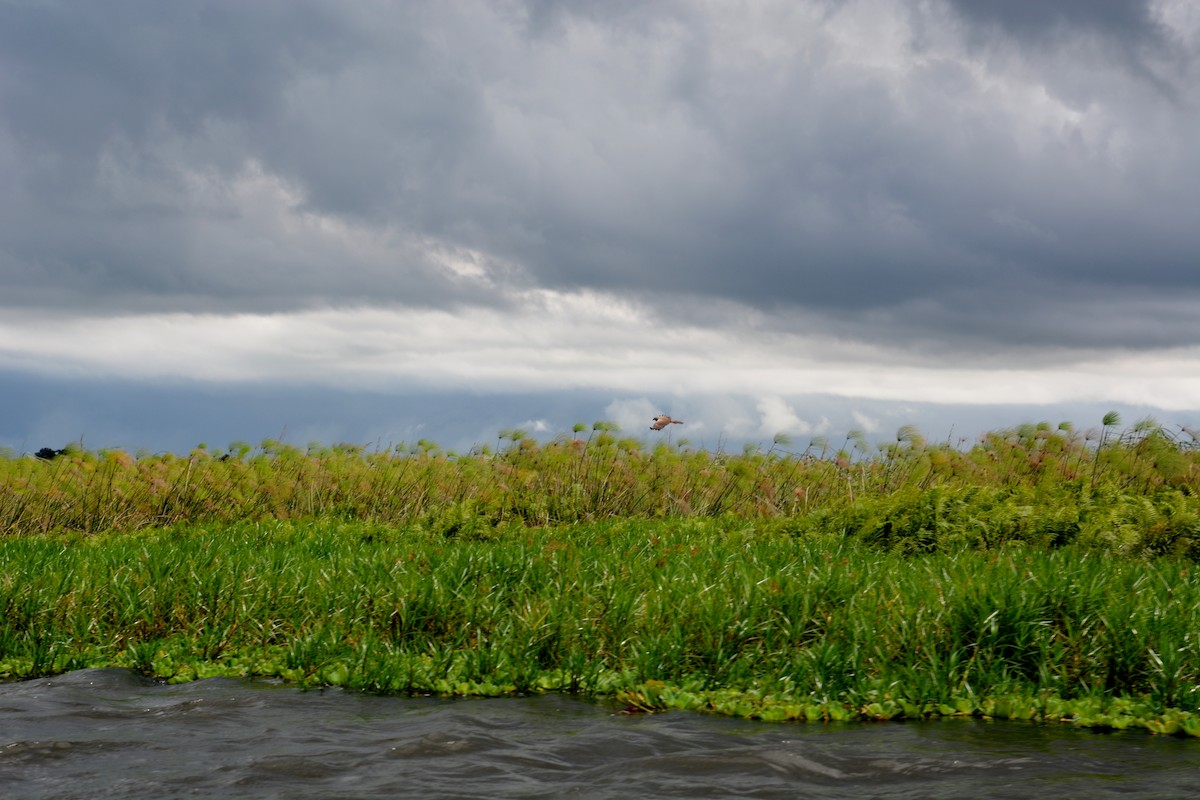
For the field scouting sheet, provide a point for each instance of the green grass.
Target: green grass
(714, 615)
(1036, 573)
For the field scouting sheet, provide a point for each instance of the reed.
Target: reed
(1130, 491)
(711, 614)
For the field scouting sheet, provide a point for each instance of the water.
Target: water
(114, 734)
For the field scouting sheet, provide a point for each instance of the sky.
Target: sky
(371, 222)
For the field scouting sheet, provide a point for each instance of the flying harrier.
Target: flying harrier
(662, 421)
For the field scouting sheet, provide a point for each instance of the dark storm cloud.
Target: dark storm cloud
(916, 192)
(1042, 19)
(123, 126)
(1127, 30)
(919, 205)
(79, 73)
(861, 197)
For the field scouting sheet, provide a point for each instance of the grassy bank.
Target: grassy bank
(772, 621)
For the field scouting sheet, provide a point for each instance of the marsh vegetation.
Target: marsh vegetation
(1038, 573)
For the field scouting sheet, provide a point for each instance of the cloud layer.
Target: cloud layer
(947, 199)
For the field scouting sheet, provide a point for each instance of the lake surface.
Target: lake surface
(115, 734)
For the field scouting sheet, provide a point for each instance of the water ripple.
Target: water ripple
(112, 733)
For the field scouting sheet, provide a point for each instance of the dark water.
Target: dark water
(111, 733)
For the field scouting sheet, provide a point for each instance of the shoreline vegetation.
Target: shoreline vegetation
(1038, 573)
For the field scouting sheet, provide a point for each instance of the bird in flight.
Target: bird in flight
(662, 421)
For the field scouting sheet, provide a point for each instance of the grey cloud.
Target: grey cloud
(82, 74)
(651, 150)
(104, 107)
(1127, 31)
(923, 194)
(1046, 19)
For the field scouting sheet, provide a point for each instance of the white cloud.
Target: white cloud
(535, 426)
(558, 340)
(867, 423)
(778, 416)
